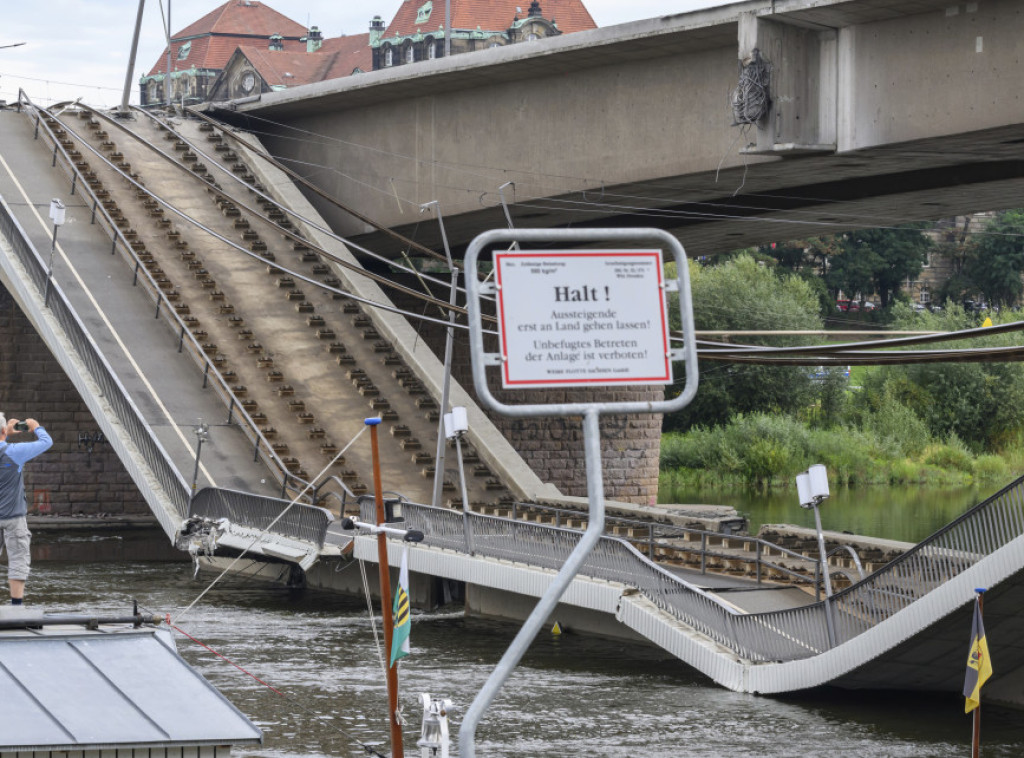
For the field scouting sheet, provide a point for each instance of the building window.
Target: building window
(388, 57)
(494, 44)
(184, 50)
(424, 12)
(410, 54)
(532, 36)
(926, 297)
(431, 49)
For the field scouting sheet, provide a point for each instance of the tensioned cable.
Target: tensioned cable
(291, 235)
(295, 274)
(312, 187)
(323, 139)
(309, 222)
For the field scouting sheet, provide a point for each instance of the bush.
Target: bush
(991, 467)
(951, 455)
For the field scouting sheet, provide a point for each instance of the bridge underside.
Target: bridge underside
(880, 113)
(789, 198)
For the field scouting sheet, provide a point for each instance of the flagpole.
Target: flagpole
(397, 750)
(976, 737)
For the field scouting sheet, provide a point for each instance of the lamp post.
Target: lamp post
(812, 489)
(202, 434)
(456, 424)
(57, 213)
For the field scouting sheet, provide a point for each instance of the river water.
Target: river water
(571, 696)
(898, 513)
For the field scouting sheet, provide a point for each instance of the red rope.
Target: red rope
(203, 644)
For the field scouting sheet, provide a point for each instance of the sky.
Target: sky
(80, 48)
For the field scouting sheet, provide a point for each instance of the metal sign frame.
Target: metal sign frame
(482, 359)
(590, 412)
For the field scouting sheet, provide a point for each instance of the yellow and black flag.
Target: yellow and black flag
(979, 667)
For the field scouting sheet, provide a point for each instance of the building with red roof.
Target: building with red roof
(252, 70)
(200, 51)
(417, 32)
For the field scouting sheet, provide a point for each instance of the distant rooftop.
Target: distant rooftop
(67, 688)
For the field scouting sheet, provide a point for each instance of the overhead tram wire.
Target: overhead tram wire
(419, 275)
(324, 230)
(383, 280)
(313, 188)
(295, 274)
(875, 354)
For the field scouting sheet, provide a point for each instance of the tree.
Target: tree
(879, 260)
(743, 295)
(996, 261)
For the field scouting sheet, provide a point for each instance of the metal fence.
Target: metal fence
(302, 522)
(773, 636)
(212, 377)
(113, 392)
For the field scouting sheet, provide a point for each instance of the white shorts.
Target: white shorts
(17, 539)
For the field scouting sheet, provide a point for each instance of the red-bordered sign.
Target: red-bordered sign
(589, 317)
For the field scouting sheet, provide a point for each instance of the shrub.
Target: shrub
(989, 467)
(951, 455)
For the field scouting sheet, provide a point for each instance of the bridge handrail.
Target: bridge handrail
(99, 369)
(759, 557)
(304, 522)
(250, 429)
(774, 635)
(948, 552)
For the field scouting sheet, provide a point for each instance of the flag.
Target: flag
(400, 636)
(979, 667)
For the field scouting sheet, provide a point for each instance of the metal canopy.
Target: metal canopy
(109, 689)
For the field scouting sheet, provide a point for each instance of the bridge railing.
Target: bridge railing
(113, 392)
(302, 522)
(954, 548)
(545, 546)
(772, 636)
(164, 307)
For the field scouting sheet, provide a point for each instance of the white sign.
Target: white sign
(590, 317)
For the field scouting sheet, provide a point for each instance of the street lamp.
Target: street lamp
(202, 434)
(57, 212)
(812, 489)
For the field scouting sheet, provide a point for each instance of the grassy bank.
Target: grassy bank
(766, 452)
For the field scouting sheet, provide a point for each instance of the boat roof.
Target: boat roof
(71, 687)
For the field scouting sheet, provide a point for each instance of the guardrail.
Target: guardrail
(772, 636)
(100, 371)
(302, 522)
(262, 448)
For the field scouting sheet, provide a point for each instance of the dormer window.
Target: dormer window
(423, 14)
(389, 57)
(532, 36)
(410, 54)
(431, 49)
(184, 50)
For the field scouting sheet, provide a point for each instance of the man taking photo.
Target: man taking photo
(13, 503)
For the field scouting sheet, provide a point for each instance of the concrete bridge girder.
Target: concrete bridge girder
(879, 109)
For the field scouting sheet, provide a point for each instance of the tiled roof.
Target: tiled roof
(244, 17)
(217, 34)
(488, 15)
(337, 58)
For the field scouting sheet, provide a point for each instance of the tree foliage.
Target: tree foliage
(879, 260)
(995, 262)
(743, 295)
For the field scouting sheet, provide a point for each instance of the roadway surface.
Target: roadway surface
(165, 385)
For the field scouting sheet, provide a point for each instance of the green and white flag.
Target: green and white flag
(400, 637)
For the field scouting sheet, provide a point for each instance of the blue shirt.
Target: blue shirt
(13, 457)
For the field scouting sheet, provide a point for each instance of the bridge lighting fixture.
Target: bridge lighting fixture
(57, 211)
(456, 423)
(812, 489)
